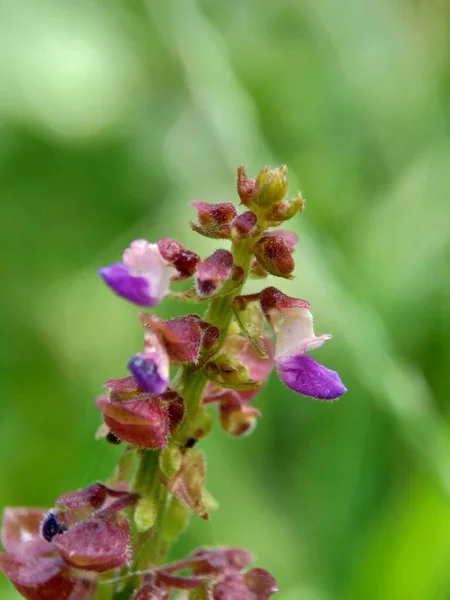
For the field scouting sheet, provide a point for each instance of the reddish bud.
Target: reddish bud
(213, 272)
(256, 584)
(143, 422)
(179, 257)
(181, 336)
(230, 587)
(214, 219)
(274, 255)
(245, 186)
(260, 583)
(95, 545)
(289, 237)
(245, 225)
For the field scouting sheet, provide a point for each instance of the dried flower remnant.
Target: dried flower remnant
(113, 539)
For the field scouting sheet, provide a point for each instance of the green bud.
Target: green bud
(175, 520)
(229, 372)
(145, 513)
(170, 460)
(285, 210)
(270, 186)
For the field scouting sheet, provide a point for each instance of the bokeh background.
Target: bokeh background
(113, 115)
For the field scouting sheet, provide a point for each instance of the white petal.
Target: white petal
(296, 333)
(145, 260)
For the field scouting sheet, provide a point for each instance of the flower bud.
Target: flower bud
(245, 186)
(145, 512)
(270, 186)
(143, 422)
(289, 237)
(274, 255)
(214, 219)
(170, 460)
(285, 210)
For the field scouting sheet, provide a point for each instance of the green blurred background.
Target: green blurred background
(113, 115)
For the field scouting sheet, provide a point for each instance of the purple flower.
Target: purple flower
(143, 277)
(292, 321)
(150, 374)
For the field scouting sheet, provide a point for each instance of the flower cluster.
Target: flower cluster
(161, 410)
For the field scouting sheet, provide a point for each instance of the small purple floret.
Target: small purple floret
(147, 374)
(304, 375)
(135, 289)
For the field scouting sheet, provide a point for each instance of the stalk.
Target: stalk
(190, 384)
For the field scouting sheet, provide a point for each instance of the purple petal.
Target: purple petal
(147, 374)
(134, 289)
(304, 375)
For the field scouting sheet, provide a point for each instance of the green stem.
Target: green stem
(190, 384)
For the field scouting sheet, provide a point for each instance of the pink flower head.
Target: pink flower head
(144, 275)
(292, 321)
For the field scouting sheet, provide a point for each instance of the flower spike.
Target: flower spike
(160, 412)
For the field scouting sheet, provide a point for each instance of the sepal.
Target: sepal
(188, 483)
(214, 220)
(213, 272)
(228, 371)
